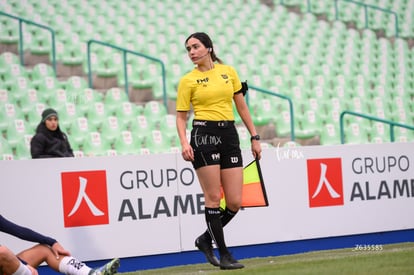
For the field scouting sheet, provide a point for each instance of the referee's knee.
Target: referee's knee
(233, 205)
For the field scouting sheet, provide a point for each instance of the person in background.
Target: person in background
(49, 141)
(47, 250)
(214, 147)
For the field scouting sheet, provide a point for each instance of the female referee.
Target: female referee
(214, 147)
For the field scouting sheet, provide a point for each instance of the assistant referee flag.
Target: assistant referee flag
(254, 192)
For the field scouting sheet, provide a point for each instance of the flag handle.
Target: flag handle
(259, 170)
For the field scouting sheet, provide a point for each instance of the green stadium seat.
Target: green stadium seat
(377, 139)
(40, 43)
(22, 147)
(58, 97)
(263, 112)
(28, 99)
(71, 54)
(6, 96)
(127, 144)
(140, 127)
(47, 86)
(379, 132)
(283, 128)
(168, 127)
(111, 129)
(41, 70)
(330, 134)
(67, 115)
(310, 125)
(9, 112)
(84, 98)
(6, 152)
(403, 134)
(313, 104)
(244, 137)
(144, 151)
(356, 104)
(114, 98)
(331, 104)
(96, 145)
(401, 116)
(157, 142)
(355, 133)
(78, 132)
(18, 84)
(6, 60)
(34, 115)
(332, 116)
(15, 130)
(75, 83)
(96, 114)
(280, 84)
(170, 87)
(154, 111)
(13, 70)
(78, 154)
(126, 112)
(322, 8)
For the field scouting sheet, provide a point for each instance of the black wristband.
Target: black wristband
(256, 137)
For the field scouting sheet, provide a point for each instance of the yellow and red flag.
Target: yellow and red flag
(254, 192)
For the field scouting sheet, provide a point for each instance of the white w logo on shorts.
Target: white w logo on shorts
(83, 196)
(324, 181)
(234, 159)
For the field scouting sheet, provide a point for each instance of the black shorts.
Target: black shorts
(215, 143)
(23, 261)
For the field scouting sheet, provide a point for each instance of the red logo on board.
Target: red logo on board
(325, 182)
(85, 198)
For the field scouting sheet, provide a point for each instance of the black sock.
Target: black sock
(225, 217)
(215, 228)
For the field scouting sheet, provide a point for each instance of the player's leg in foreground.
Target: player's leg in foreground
(65, 264)
(107, 269)
(10, 264)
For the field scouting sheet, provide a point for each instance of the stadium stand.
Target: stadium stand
(325, 65)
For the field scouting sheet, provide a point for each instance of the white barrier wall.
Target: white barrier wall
(127, 206)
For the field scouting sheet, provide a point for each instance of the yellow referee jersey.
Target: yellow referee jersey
(210, 93)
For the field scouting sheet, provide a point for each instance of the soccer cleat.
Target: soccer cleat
(109, 268)
(204, 246)
(228, 262)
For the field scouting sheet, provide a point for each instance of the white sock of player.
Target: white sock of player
(72, 266)
(22, 270)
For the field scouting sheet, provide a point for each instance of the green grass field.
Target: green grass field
(392, 259)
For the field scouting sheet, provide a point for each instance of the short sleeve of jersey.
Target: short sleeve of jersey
(183, 101)
(236, 81)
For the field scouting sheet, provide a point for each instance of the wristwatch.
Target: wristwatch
(256, 137)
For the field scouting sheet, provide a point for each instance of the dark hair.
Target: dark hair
(206, 41)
